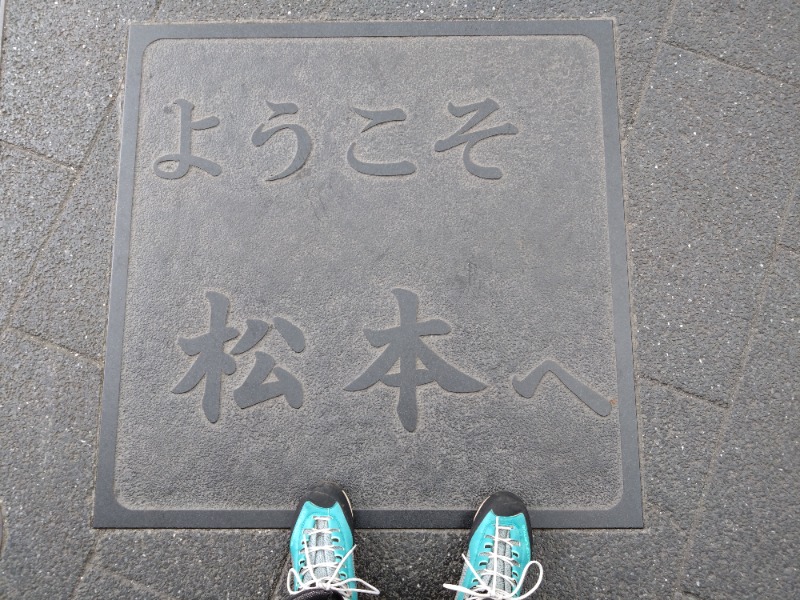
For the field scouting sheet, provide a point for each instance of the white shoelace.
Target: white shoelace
(496, 582)
(324, 571)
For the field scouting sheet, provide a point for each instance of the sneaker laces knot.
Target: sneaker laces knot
(324, 565)
(495, 579)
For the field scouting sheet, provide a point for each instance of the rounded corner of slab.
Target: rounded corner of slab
(599, 32)
(142, 35)
(110, 513)
(627, 513)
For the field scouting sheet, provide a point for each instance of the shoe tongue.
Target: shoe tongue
(502, 567)
(318, 539)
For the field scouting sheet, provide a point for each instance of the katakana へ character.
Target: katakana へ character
(184, 158)
(379, 117)
(481, 110)
(261, 137)
(526, 387)
(405, 346)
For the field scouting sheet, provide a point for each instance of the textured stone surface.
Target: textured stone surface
(197, 564)
(394, 10)
(753, 491)
(764, 36)
(62, 63)
(48, 405)
(47, 540)
(679, 435)
(100, 584)
(791, 232)
(410, 563)
(235, 10)
(612, 563)
(65, 300)
(31, 191)
(638, 27)
(709, 168)
(517, 268)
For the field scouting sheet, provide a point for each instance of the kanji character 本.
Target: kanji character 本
(405, 345)
(261, 137)
(184, 158)
(379, 117)
(482, 110)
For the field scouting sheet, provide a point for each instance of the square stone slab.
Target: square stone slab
(390, 255)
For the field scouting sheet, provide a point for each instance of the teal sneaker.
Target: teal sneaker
(322, 545)
(499, 546)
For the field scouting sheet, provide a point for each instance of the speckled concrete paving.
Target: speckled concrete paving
(710, 108)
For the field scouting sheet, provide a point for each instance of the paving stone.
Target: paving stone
(709, 169)
(638, 27)
(235, 10)
(357, 10)
(197, 564)
(678, 435)
(2, 531)
(31, 190)
(62, 63)
(747, 542)
(758, 35)
(611, 563)
(410, 564)
(65, 301)
(577, 564)
(791, 231)
(99, 584)
(48, 403)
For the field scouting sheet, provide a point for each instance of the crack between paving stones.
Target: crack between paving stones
(2, 26)
(86, 563)
(789, 248)
(55, 346)
(721, 404)
(3, 529)
(134, 584)
(717, 59)
(155, 10)
(61, 208)
(277, 591)
(743, 363)
(39, 156)
(662, 37)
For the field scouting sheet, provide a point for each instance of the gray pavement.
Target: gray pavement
(710, 108)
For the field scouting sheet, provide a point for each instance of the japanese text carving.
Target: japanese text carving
(261, 137)
(213, 362)
(482, 110)
(405, 346)
(466, 136)
(184, 158)
(379, 117)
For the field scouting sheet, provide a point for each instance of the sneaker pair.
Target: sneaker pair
(322, 547)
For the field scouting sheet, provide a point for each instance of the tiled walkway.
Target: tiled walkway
(710, 106)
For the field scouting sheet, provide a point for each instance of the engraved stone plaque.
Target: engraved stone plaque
(387, 255)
